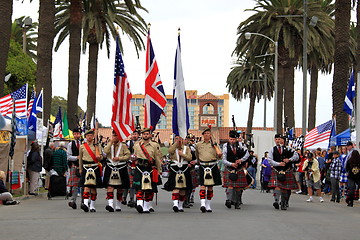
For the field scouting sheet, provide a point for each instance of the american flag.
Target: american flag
(155, 99)
(122, 120)
(31, 102)
(318, 134)
(20, 98)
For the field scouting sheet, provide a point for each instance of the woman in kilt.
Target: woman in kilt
(116, 174)
(179, 180)
(235, 180)
(282, 177)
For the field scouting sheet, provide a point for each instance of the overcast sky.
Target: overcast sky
(208, 36)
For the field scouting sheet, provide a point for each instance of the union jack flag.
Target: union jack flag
(155, 99)
(20, 98)
(122, 120)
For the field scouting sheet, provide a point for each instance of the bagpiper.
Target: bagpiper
(208, 153)
(282, 179)
(73, 161)
(179, 178)
(235, 176)
(148, 168)
(90, 170)
(116, 174)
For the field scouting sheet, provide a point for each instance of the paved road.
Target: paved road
(39, 218)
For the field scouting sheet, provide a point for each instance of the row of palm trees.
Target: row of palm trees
(328, 45)
(88, 24)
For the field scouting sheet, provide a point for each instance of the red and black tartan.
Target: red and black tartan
(288, 184)
(73, 180)
(131, 177)
(194, 178)
(240, 182)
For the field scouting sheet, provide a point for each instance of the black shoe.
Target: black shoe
(118, 210)
(228, 203)
(237, 206)
(203, 209)
(32, 193)
(72, 205)
(350, 204)
(338, 200)
(283, 206)
(84, 207)
(139, 208)
(93, 210)
(181, 210)
(209, 210)
(175, 208)
(123, 202)
(332, 200)
(276, 205)
(151, 210)
(109, 208)
(11, 202)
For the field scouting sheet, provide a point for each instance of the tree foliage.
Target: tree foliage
(57, 102)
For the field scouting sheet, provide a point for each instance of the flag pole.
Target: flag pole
(357, 125)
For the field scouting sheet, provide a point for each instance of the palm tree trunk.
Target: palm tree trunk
(6, 8)
(358, 34)
(313, 98)
(251, 113)
(44, 52)
(341, 62)
(92, 78)
(289, 95)
(74, 60)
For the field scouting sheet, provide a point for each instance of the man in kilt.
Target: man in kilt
(90, 170)
(116, 174)
(234, 158)
(179, 180)
(207, 153)
(190, 142)
(73, 161)
(282, 178)
(148, 168)
(131, 167)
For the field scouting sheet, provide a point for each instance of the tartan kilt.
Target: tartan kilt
(123, 175)
(215, 173)
(194, 177)
(171, 182)
(138, 179)
(98, 178)
(131, 175)
(73, 180)
(288, 184)
(241, 181)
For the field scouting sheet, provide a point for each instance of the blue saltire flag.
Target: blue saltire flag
(350, 94)
(36, 108)
(21, 126)
(180, 117)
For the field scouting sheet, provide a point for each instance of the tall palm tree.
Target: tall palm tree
(275, 19)
(99, 23)
(341, 62)
(44, 52)
(248, 80)
(6, 8)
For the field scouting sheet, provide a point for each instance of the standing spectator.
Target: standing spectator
(312, 173)
(300, 173)
(265, 173)
(252, 161)
(335, 171)
(5, 195)
(59, 160)
(353, 168)
(34, 167)
(343, 177)
(47, 162)
(328, 159)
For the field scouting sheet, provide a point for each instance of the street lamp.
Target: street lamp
(248, 36)
(26, 24)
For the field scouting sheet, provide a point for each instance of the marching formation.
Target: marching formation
(134, 167)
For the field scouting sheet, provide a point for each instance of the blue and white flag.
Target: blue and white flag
(39, 102)
(350, 94)
(180, 117)
(37, 107)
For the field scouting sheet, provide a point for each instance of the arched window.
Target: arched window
(208, 108)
